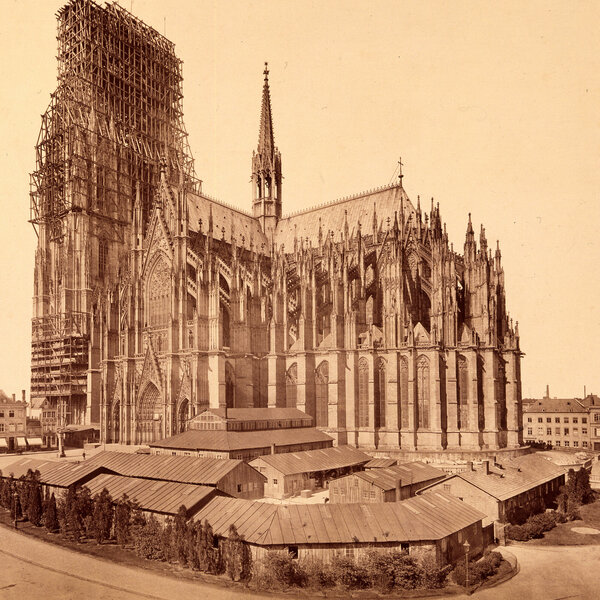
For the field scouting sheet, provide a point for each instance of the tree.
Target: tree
(147, 539)
(168, 547)
(50, 515)
(102, 517)
(180, 531)
(123, 521)
(193, 533)
(34, 510)
(237, 557)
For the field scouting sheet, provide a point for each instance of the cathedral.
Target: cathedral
(154, 301)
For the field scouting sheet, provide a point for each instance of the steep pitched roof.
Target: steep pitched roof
(310, 461)
(555, 405)
(384, 203)
(430, 517)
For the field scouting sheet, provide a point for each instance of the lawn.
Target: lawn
(563, 534)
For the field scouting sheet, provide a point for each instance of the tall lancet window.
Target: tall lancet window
(423, 391)
(363, 393)
(291, 386)
(159, 295)
(404, 420)
(463, 392)
(380, 392)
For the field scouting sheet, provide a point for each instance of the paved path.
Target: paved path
(34, 569)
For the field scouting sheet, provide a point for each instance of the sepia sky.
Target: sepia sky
(494, 108)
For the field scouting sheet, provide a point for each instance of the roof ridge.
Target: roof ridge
(342, 200)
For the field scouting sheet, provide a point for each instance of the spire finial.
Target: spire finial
(266, 71)
(400, 165)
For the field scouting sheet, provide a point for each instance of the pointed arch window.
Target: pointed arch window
(322, 394)
(102, 257)
(159, 294)
(363, 393)
(380, 392)
(423, 391)
(229, 386)
(463, 392)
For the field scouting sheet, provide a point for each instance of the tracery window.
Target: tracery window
(159, 294)
(463, 392)
(404, 392)
(381, 392)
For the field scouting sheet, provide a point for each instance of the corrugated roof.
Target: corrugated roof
(516, 476)
(226, 441)
(157, 496)
(258, 414)
(421, 518)
(183, 469)
(562, 405)
(309, 461)
(356, 209)
(409, 473)
(55, 473)
(381, 463)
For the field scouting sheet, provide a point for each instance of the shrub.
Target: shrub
(103, 516)
(276, 571)
(123, 521)
(50, 515)
(349, 574)
(315, 573)
(236, 555)
(408, 574)
(147, 541)
(432, 575)
(479, 570)
(34, 510)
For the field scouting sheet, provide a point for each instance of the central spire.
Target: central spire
(266, 168)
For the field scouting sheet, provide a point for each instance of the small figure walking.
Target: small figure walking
(83, 455)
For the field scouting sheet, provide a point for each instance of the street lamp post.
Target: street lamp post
(467, 547)
(15, 500)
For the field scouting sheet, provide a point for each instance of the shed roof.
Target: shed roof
(421, 518)
(381, 463)
(516, 476)
(157, 496)
(52, 472)
(183, 469)
(309, 461)
(410, 474)
(226, 441)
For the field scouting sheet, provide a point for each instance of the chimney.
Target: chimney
(398, 489)
(486, 467)
(23, 395)
(547, 392)
(14, 398)
(273, 449)
(584, 393)
(470, 466)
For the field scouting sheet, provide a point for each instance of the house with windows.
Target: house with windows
(290, 473)
(507, 492)
(13, 423)
(388, 484)
(436, 526)
(561, 422)
(593, 403)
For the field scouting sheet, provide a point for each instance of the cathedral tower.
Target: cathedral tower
(266, 169)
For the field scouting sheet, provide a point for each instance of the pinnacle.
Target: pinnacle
(266, 143)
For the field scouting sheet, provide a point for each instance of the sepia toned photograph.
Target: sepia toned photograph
(299, 299)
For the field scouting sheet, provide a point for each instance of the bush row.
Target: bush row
(479, 570)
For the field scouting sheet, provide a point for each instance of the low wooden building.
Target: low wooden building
(436, 526)
(290, 473)
(233, 477)
(507, 492)
(384, 484)
(243, 445)
(250, 419)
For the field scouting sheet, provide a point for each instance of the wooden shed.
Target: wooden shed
(384, 484)
(290, 473)
(435, 526)
(234, 477)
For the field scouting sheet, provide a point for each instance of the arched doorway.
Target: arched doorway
(149, 415)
